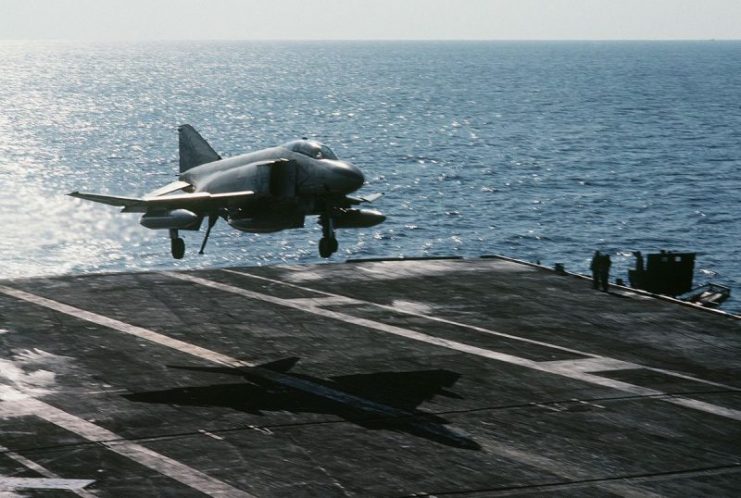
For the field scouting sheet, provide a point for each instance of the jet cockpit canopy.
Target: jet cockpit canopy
(310, 148)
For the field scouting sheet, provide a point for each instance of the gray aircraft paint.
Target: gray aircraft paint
(263, 191)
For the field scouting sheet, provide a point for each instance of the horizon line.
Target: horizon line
(103, 40)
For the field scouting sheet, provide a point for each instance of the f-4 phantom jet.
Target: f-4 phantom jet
(265, 191)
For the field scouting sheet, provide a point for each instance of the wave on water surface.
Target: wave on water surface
(539, 151)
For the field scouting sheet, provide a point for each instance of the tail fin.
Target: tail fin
(194, 150)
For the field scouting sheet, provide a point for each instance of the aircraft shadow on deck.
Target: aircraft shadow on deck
(381, 400)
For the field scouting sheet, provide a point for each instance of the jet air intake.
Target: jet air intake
(283, 179)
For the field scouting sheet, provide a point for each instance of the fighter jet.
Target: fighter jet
(264, 191)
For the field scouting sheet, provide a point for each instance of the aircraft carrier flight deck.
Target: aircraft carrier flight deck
(478, 378)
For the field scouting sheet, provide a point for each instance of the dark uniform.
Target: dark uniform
(604, 271)
(595, 269)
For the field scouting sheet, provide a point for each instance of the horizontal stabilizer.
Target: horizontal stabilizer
(194, 150)
(196, 202)
(170, 188)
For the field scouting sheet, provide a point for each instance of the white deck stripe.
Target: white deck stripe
(206, 354)
(323, 301)
(22, 405)
(168, 467)
(590, 365)
(574, 373)
(223, 359)
(604, 361)
(12, 483)
(74, 485)
(351, 300)
(144, 456)
(363, 322)
(126, 328)
(112, 441)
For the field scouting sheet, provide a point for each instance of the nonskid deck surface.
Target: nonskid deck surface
(386, 378)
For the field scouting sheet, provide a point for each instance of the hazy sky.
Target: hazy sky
(369, 19)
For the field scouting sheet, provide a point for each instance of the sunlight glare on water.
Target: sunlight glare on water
(539, 151)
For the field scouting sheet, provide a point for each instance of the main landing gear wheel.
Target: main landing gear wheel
(327, 247)
(177, 245)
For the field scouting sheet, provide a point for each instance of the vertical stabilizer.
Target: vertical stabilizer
(194, 150)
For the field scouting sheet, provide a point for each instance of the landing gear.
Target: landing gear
(327, 247)
(212, 218)
(328, 243)
(177, 245)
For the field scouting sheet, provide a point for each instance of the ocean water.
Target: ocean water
(536, 150)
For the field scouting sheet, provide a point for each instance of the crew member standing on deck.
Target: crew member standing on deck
(595, 269)
(604, 271)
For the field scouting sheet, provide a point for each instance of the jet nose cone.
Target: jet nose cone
(345, 177)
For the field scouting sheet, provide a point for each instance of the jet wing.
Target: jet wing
(108, 199)
(197, 201)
